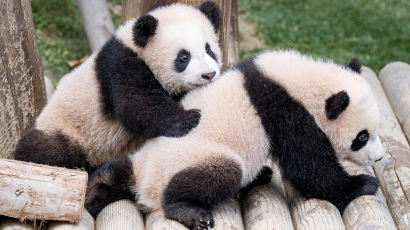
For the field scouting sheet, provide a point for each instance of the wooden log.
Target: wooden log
(97, 22)
(41, 192)
(228, 34)
(393, 171)
(227, 216)
(395, 78)
(265, 207)
(156, 220)
(86, 223)
(22, 89)
(367, 212)
(122, 214)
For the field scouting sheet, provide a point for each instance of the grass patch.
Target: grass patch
(377, 32)
(60, 34)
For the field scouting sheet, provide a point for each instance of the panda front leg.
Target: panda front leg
(192, 193)
(324, 178)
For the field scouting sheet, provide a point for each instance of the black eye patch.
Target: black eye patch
(182, 60)
(360, 141)
(209, 51)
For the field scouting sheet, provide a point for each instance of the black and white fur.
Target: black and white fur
(129, 90)
(280, 103)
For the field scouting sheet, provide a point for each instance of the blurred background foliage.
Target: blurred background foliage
(377, 31)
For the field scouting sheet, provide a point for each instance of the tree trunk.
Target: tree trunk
(22, 89)
(228, 35)
(97, 22)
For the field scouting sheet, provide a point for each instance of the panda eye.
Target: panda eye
(363, 137)
(184, 57)
(207, 48)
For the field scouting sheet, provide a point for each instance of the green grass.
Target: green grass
(377, 31)
(60, 34)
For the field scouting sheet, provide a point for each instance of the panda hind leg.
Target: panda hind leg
(192, 193)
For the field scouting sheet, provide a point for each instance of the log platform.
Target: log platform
(276, 207)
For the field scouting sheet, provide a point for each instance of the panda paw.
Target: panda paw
(203, 220)
(367, 185)
(187, 122)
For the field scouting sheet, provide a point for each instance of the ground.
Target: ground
(377, 32)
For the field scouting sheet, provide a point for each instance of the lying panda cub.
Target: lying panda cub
(307, 113)
(128, 91)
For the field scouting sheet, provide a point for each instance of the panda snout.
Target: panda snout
(208, 76)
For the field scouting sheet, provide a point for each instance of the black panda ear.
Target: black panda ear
(212, 12)
(336, 104)
(355, 65)
(143, 29)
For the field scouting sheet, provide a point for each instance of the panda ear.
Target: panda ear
(336, 104)
(212, 12)
(355, 65)
(143, 29)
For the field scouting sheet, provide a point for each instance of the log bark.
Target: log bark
(393, 171)
(228, 34)
(41, 192)
(227, 215)
(367, 212)
(86, 223)
(97, 22)
(395, 78)
(22, 89)
(122, 214)
(265, 207)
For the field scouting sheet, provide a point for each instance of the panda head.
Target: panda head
(353, 119)
(179, 43)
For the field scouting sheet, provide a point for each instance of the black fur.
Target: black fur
(355, 65)
(303, 150)
(109, 183)
(180, 65)
(264, 177)
(212, 12)
(143, 29)
(54, 149)
(336, 104)
(192, 193)
(210, 52)
(132, 95)
(357, 144)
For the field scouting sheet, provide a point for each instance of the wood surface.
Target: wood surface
(40, 192)
(86, 223)
(367, 212)
(122, 214)
(393, 171)
(22, 89)
(97, 22)
(228, 34)
(265, 207)
(395, 79)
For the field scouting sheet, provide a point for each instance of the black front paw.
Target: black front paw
(367, 185)
(360, 185)
(187, 122)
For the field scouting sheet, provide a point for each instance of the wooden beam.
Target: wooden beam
(41, 192)
(122, 214)
(393, 171)
(22, 89)
(228, 34)
(265, 207)
(395, 78)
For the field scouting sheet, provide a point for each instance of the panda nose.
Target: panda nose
(209, 76)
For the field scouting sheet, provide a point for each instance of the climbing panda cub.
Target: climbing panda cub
(308, 113)
(129, 91)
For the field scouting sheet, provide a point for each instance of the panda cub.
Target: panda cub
(307, 113)
(129, 90)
